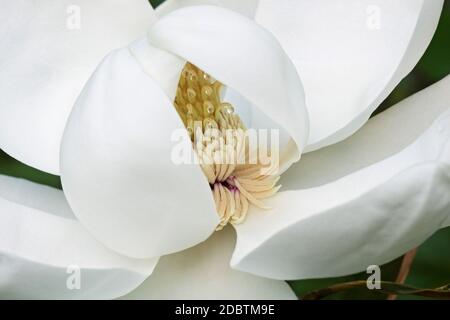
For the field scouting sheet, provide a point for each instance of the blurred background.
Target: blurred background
(431, 266)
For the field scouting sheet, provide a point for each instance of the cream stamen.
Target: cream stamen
(233, 182)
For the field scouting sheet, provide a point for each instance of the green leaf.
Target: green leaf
(435, 64)
(156, 3)
(11, 167)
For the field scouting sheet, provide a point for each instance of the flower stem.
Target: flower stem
(403, 273)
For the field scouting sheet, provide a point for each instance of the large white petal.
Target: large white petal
(48, 49)
(117, 168)
(41, 245)
(364, 201)
(245, 57)
(203, 272)
(349, 54)
(245, 7)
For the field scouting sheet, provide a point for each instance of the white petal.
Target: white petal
(254, 119)
(117, 168)
(389, 196)
(349, 54)
(41, 247)
(239, 53)
(203, 272)
(48, 50)
(245, 7)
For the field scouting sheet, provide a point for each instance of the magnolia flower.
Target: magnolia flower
(364, 191)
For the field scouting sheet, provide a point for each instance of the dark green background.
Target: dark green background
(431, 267)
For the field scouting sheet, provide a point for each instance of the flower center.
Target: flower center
(219, 139)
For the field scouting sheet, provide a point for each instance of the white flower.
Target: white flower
(316, 70)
